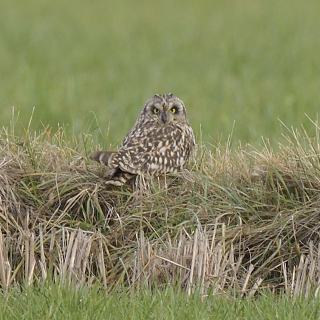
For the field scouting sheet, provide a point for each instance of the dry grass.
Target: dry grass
(238, 221)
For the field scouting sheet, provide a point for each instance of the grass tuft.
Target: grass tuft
(240, 220)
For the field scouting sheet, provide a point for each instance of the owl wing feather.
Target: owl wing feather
(157, 150)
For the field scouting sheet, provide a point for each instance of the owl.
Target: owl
(160, 142)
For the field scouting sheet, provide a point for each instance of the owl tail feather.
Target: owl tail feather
(103, 157)
(116, 175)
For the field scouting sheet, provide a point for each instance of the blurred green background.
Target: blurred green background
(249, 62)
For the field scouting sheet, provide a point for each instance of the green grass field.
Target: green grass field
(49, 302)
(90, 66)
(251, 62)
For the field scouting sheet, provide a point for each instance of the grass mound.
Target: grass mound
(241, 219)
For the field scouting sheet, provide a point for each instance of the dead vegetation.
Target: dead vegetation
(239, 221)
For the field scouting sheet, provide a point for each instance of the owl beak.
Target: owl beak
(164, 117)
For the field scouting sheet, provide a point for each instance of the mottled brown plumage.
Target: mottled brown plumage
(160, 142)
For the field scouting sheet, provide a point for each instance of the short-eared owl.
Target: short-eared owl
(160, 142)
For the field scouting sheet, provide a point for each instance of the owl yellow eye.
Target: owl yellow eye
(173, 110)
(155, 110)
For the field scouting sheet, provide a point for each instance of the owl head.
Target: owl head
(165, 109)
